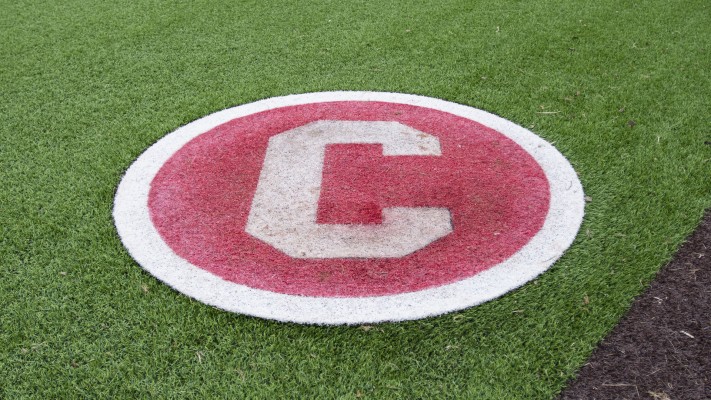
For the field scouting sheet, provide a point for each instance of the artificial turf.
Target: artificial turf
(621, 87)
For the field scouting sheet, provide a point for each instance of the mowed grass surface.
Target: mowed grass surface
(621, 87)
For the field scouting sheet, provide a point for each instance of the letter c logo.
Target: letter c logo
(284, 208)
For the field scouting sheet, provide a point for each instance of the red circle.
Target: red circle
(497, 194)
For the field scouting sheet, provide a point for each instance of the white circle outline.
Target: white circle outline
(145, 245)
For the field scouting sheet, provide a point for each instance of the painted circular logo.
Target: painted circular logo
(348, 207)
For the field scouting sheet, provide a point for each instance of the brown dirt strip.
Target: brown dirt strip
(662, 348)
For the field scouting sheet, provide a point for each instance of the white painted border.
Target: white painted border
(147, 247)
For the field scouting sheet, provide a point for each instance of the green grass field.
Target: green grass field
(621, 88)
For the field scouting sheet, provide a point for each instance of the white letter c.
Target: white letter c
(285, 204)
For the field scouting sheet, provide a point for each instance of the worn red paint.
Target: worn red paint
(497, 194)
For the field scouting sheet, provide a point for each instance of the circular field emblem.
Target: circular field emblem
(348, 207)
